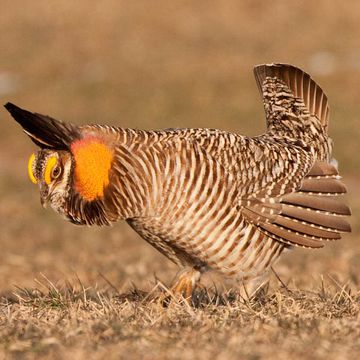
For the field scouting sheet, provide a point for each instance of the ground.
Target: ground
(75, 292)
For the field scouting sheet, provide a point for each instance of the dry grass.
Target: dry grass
(78, 322)
(167, 64)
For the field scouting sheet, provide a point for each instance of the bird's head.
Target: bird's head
(52, 171)
(71, 167)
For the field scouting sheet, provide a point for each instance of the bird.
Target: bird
(208, 199)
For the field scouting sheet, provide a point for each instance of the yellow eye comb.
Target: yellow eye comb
(30, 169)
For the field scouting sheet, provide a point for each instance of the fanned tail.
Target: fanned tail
(295, 106)
(301, 85)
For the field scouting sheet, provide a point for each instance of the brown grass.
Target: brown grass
(167, 64)
(76, 322)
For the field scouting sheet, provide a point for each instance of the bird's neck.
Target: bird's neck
(136, 175)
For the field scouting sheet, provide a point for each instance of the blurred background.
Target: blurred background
(154, 64)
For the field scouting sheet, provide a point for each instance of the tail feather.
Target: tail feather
(300, 84)
(43, 130)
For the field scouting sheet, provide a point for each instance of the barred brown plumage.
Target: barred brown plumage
(207, 199)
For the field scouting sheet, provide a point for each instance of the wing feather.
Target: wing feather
(301, 218)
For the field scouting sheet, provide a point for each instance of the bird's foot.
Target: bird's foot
(183, 286)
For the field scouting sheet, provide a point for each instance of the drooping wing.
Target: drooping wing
(307, 217)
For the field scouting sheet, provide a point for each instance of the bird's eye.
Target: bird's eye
(56, 171)
(50, 166)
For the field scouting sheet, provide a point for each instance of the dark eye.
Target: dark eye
(56, 172)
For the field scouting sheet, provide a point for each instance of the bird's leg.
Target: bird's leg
(185, 282)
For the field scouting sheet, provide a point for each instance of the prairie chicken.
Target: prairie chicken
(207, 199)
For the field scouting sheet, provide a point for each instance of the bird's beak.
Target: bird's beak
(44, 195)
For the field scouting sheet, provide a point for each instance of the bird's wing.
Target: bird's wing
(304, 217)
